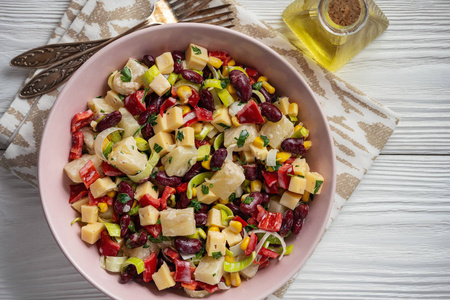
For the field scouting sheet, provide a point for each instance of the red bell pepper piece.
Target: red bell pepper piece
(222, 55)
(199, 143)
(262, 260)
(290, 160)
(89, 174)
(268, 253)
(77, 191)
(252, 72)
(168, 103)
(240, 220)
(251, 244)
(271, 189)
(264, 263)
(150, 264)
(109, 170)
(173, 91)
(168, 191)
(194, 98)
(182, 188)
(135, 103)
(115, 217)
(171, 254)
(154, 230)
(191, 286)
(182, 271)
(207, 287)
(77, 145)
(283, 175)
(270, 177)
(252, 221)
(96, 201)
(189, 118)
(81, 119)
(269, 221)
(147, 200)
(106, 246)
(203, 114)
(250, 114)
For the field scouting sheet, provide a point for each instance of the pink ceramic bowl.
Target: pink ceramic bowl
(91, 81)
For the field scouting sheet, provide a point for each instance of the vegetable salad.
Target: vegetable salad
(190, 171)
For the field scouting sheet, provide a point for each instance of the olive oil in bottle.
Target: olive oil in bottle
(333, 31)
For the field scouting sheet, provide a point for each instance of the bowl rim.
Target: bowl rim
(332, 182)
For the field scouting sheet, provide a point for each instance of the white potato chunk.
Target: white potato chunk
(231, 135)
(178, 222)
(114, 100)
(128, 123)
(99, 106)
(277, 132)
(73, 168)
(210, 270)
(126, 157)
(227, 180)
(178, 161)
(148, 215)
(88, 136)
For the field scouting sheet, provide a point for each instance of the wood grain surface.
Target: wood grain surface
(391, 240)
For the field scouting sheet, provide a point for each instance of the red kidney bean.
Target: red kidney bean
(234, 208)
(137, 240)
(148, 60)
(301, 211)
(122, 208)
(294, 145)
(270, 111)
(251, 207)
(204, 207)
(143, 117)
(269, 97)
(156, 101)
(177, 54)
(242, 84)
(218, 158)
(147, 131)
(126, 188)
(186, 245)
(128, 274)
(266, 198)
(160, 261)
(194, 170)
(250, 172)
(163, 179)
(206, 73)
(200, 218)
(182, 201)
(297, 225)
(206, 100)
(110, 120)
(125, 221)
(286, 225)
(192, 76)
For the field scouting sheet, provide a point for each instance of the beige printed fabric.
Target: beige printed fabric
(360, 125)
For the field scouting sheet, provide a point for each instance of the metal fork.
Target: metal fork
(62, 60)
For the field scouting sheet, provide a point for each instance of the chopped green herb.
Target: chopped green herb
(242, 137)
(98, 97)
(102, 111)
(154, 173)
(206, 158)
(196, 50)
(151, 120)
(257, 85)
(211, 185)
(214, 274)
(248, 200)
(121, 152)
(155, 188)
(146, 246)
(240, 103)
(126, 74)
(123, 198)
(250, 227)
(157, 148)
(159, 220)
(232, 197)
(159, 239)
(134, 210)
(205, 190)
(131, 227)
(292, 175)
(180, 136)
(145, 94)
(121, 97)
(196, 205)
(243, 161)
(170, 159)
(200, 253)
(217, 255)
(265, 140)
(179, 60)
(223, 84)
(132, 147)
(317, 186)
(297, 166)
(225, 126)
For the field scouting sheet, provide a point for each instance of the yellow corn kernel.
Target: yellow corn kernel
(111, 194)
(223, 201)
(134, 204)
(184, 92)
(215, 62)
(258, 142)
(262, 78)
(268, 87)
(235, 121)
(231, 63)
(185, 109)
(103, 207)
(161, 168)
(227, 279)
(293, 110)
(197, 127)
(231, 89)
(194, 192)
(235, 226)
(213, 228)
(256, 186)
(283, 156)
(245, 242)
(296, 128)
(207, 164)
(305, 197)
(225, 72)
(229, 258)
(105, 143)
(235, 279)
(307, 144)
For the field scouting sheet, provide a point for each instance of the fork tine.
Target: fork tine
(182, 13)
(220, 22)
(210, 10)
(208, 18)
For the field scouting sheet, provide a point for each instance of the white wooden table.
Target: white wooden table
(392, 239)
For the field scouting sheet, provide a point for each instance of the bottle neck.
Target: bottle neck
(343, 17)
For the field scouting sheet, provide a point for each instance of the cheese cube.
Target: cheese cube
(161, 140)
(178, 222)
(276, 207)
(215, 242)
(102, 186)
(207, 198)
(283, 105)
(221, 119)
(210, 270)
(90, 233)
(300, 166)
(128, 123)
(114, 100)
(146, 188)
(259, 153)
(161, 124)
(277, 132)
(249, 157)
(178, 161)
(89, 213)
(231, 237)
(162, 278)
(214, 218)
(148, 215)
(185, 136)
(77, 205)
(160, 85)
(164, 62)
(174, 118)
(290, 200)
(314, 182)
(297, 185)
(196, 57)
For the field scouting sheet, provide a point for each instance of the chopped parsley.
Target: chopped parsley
(131, 227)
(196, 50)
(179, 60)
(205, 189)
(242, 137)
(217, 255)
(180, 136)
(257, 85)
(200, 253)
(223, 84)
(134, 210)
(225, 126)
(248, 200)
(151, 120)
(146, 246)
(240, 103)
(145, 94)
(265, 140)
(159, 239)
(132, 147)
(232, 197)
(121, 97)
(123, 198)
(250, 227)
(214, 274)
(196, 205)
(126, 74)
(155, 188)
(170, 159)
(206, 158)
(157, 148)
(155, 171)
(102, 111)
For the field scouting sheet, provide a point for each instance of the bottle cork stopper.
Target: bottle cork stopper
(344, 12)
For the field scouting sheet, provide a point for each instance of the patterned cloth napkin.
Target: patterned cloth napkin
(360, 125)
